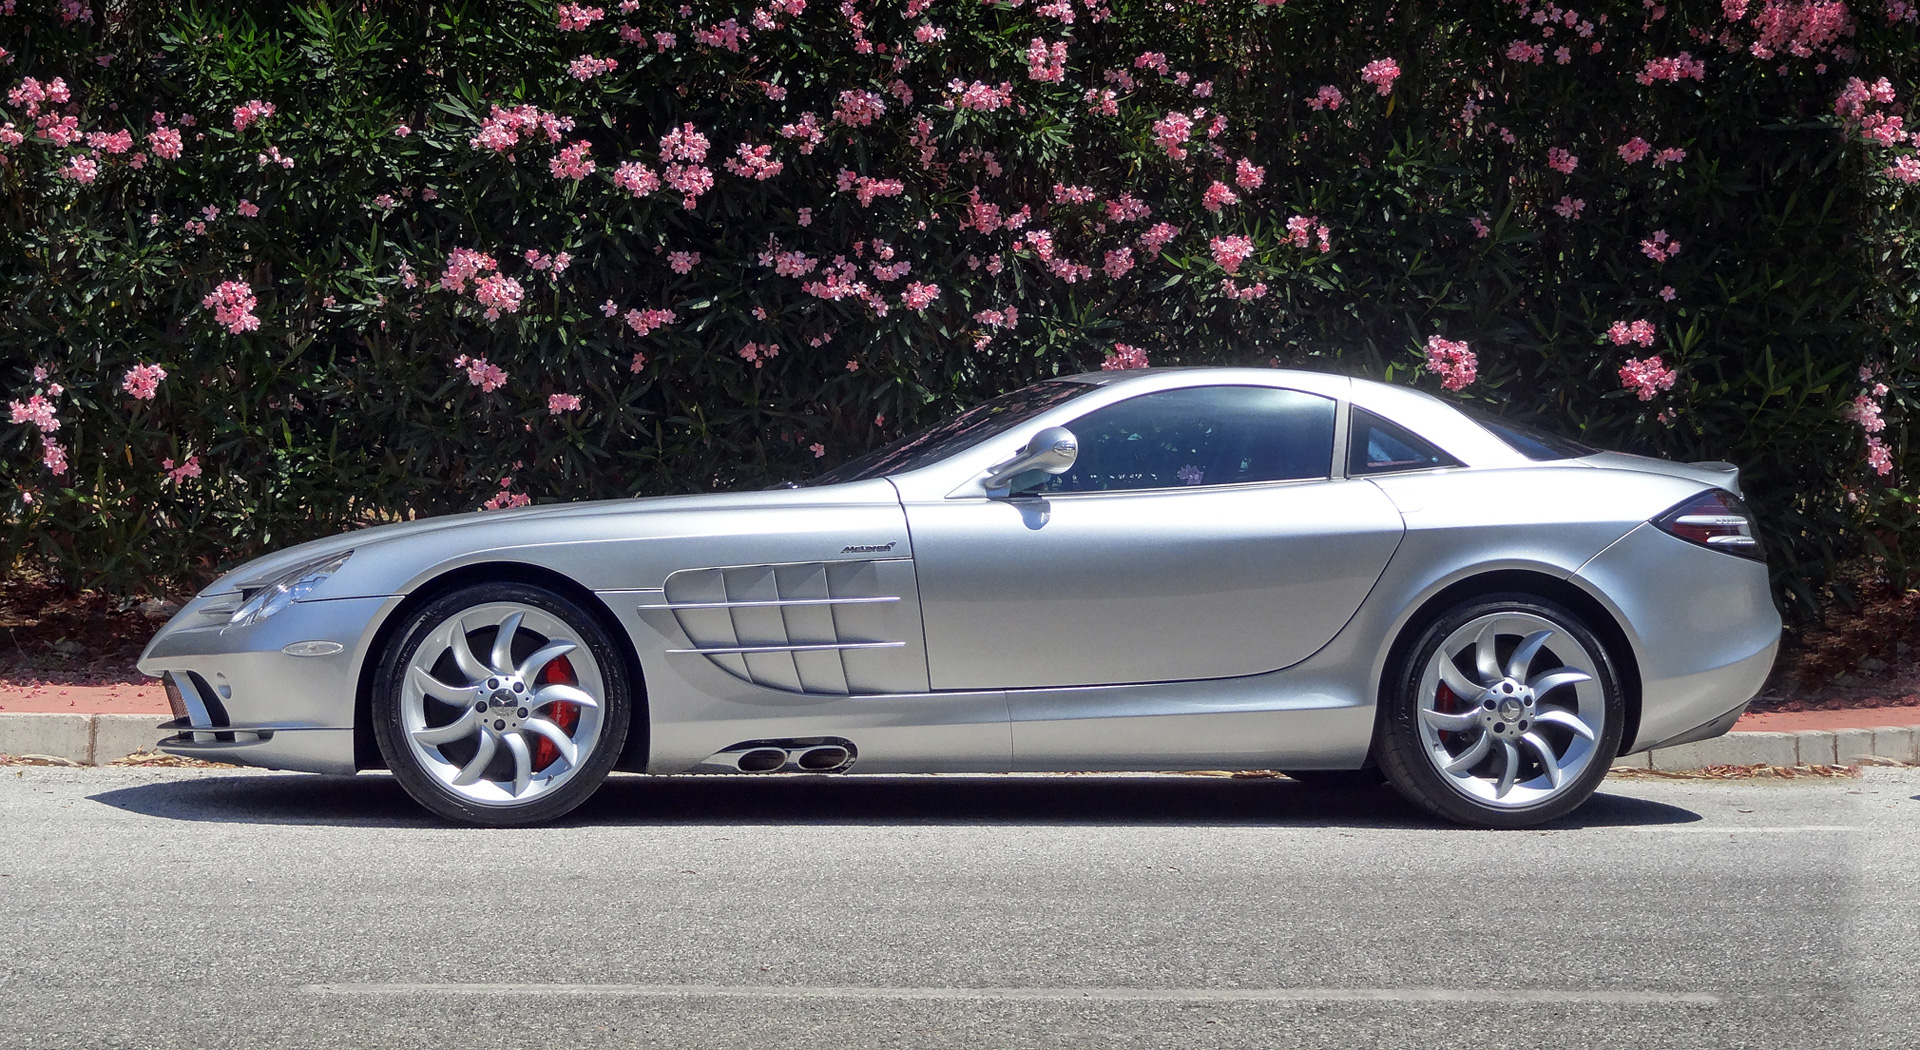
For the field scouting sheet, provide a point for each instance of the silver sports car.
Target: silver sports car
(1148, 570)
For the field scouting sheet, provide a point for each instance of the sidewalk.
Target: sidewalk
(94, 725)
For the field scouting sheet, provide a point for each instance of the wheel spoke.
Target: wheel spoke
(1463, 687)
(1452, 723)
(489, 742)
(560, 694)
(503, 642)
(1509, 768)
(1471, 755)
(1547, 757)
(456, 695)
(470, 664)
(1556, 678)
(522, 762)
(1561, 718)
(1484, 657)
(556, 736)
(464, 726)
(1522, 657)
(546, 654)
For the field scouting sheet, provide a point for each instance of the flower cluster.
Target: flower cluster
(481, 373)
(143, 381)
(1622, 332)
(1303, 230)
(232, 303)
(1865, 410)
(1646, 377)
(248, 113)
(1381, 73)
(1125, 357)
(1453, 362)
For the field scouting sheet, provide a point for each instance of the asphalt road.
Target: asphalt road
(162, 908)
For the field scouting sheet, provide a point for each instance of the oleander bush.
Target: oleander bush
(271, 271)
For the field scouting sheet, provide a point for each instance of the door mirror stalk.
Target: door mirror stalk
(1051, 451)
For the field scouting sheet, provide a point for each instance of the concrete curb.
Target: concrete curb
(91, 740)
(99, 739)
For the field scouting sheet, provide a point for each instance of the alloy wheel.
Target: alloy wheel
(1510, 710)
(501, 704)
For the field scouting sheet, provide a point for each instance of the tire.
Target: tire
(1339, 779)
(1470, 737)
(485, 737)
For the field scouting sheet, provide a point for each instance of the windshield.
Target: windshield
(963, 431)
(1532, 442)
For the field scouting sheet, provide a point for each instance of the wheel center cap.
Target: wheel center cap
(1510, 709)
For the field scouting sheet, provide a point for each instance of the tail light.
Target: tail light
(1715, 519)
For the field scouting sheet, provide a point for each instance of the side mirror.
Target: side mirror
(1052, 451)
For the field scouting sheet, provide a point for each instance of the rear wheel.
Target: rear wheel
(501, 703)
(1506, 713)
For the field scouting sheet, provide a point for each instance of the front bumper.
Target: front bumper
(240, 697)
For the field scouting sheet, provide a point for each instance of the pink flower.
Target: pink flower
(1065, 194)
(574, 17)
(1660, 247)
(502, 129)
(1328, 97)
(116, 142)
(462, 265)
(1877, 457)
(232, 303)
(1635, 150)
(1672, 155)
(1230, 252)
(1646, 377)
(1247, 294)
(817, 449)
(38, 411)
(81, 169)
(1302, 230)
(754, 162)
(176, 475)
(1453, 362)
(1247, 176)
(978, 96)
(1153, 60)
(1622, 333)
(858, 109)
(1381, 73)
(691, 180)
(1562, 161)
(1570, 207)
(54, 455)
(142, 381)
(1673, 70)
(247, 113)
(1046, 63)
(643, 322)
(402, 131)
(683, 262)
(558, 403)
(807, 129)
(1157, 237)
(1127, 209)
(1119, 261)
(1124, 357)
(918, 296)
(586, 67)
(1218, 196)
(247, 208)
(1524, 51)
(481, 373)
(573, 162)
(636, 178)
(1905, 169)
(758, 355)
(866, 189)
(1172, 130)
(1480, 227)
(498, 294)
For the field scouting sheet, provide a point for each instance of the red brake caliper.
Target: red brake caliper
(1443, 702)
(564, 715)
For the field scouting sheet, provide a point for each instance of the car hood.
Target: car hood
(482, 529)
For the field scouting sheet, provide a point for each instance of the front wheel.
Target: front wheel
(501, 704)
(1505, 713)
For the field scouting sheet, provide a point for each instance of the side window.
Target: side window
(1376, 446)
(1217, 435)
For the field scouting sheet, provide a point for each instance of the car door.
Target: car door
(1201, 533)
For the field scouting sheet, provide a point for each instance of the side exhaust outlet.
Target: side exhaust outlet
(824, 759)
(761, 760)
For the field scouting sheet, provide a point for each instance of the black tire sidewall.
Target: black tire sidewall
(1403, 756)
(390, 731)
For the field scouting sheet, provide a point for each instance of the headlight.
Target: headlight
(286, 590)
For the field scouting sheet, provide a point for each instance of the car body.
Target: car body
(1245, 612)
